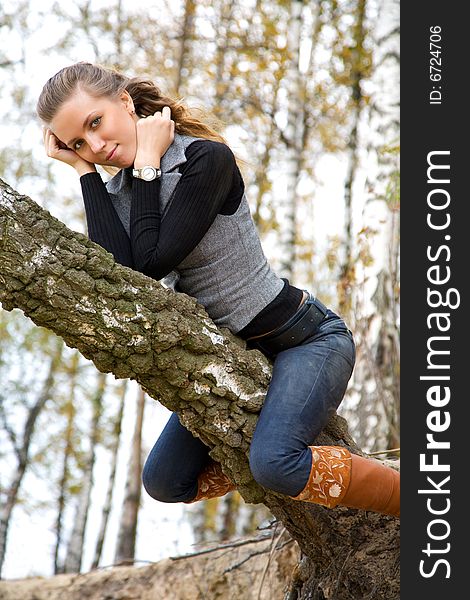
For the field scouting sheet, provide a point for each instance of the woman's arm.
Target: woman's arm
(209, 180)
(104, 225)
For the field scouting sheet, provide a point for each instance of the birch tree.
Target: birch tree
(252, 95)
(294, 137)
(128, 324)
(125, 548)
(385, 114)
(183, 67)
(67, 454)
(113, 451)
(376, 415)
(73, 558)
(21, 446)
(356, 60)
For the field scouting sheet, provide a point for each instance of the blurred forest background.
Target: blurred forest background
(307, 93)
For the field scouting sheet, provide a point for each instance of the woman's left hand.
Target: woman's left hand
(155, 134)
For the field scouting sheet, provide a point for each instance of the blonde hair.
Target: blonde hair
(100, 81)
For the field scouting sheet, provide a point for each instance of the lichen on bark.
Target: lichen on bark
(130, 325)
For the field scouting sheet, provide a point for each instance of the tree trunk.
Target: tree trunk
(376, 380)
(132, 326)
(22, 451)
(347, 275)
(294, 138)
(386, 358)
(221, 73)
(254, 568)
(69, 410)
(73, 561)
(385, 112)
(125, 549)
(187, 34)
(113, 450)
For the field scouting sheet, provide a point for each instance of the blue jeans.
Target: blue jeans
(308, 383)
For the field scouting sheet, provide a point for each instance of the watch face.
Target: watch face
(149, 173)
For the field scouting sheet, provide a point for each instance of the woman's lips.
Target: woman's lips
(111, 154)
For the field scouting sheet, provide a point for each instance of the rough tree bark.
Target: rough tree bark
(130, 325)
(246, 569)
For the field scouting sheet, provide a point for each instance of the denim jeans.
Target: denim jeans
(308, 383)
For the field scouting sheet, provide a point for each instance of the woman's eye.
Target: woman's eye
(93, 124)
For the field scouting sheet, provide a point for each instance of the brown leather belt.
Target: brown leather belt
(297, 329)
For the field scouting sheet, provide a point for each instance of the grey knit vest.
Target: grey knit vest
(227, 272)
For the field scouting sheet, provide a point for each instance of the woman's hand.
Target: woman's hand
(155, 134)
(59, 151)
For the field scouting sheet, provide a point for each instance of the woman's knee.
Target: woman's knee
(272, 470)
(154, 485)
(164, 488)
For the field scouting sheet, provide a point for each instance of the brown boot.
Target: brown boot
(373, 486)
(339, 477)
(212, 483)
(329, 477)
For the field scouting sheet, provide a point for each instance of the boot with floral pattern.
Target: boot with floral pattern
(339, 477)
(212, 483)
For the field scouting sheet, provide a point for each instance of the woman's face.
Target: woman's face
(102, 130)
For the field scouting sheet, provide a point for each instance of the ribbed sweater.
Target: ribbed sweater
(155, 241)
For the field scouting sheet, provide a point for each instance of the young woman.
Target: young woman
(177, 208)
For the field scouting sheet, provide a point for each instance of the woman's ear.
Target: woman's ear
(128, 102)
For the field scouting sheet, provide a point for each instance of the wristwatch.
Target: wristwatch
(147, 173)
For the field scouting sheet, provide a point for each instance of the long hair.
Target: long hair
(100, 81)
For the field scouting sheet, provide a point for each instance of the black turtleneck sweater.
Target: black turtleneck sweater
(210, 184)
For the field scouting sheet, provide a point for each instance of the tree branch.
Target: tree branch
(130, 325)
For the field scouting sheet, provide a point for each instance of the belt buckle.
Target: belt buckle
(316, 302)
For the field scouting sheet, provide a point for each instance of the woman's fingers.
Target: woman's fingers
(53, 145)
(48, 141)
(54, 149)
(155, 134)
(46, 136)
(166, 113)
